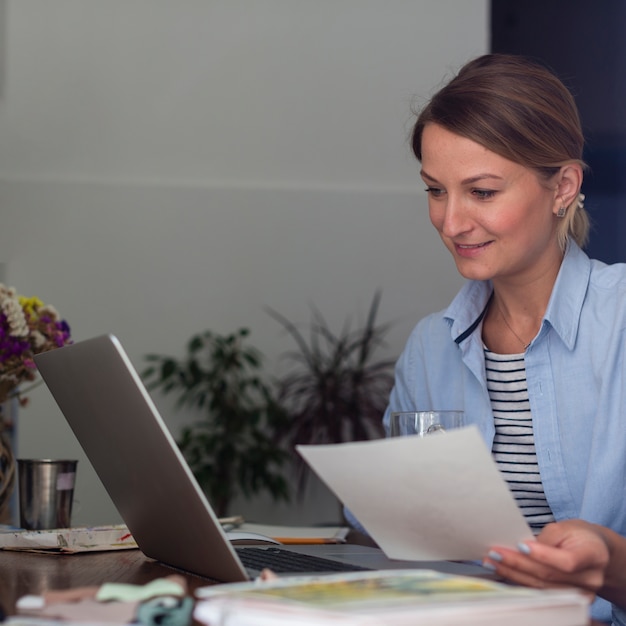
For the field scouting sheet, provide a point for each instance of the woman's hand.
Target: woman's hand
(569, 553)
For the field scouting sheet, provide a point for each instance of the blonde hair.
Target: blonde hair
(520, 110)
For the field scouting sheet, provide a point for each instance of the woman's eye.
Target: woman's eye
(434, 191)
(484, 194)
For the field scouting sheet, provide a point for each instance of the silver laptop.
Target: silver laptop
(136, 458)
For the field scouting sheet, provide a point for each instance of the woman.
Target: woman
(531, 347)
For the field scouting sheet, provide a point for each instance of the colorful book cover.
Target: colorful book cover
(391, 597)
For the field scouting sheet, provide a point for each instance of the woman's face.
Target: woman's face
(495, 216)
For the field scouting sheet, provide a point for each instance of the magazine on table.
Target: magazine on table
(393, 598)
(69, 540)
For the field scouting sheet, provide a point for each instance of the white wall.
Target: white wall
(170, 166)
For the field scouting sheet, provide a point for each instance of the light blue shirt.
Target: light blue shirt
(576, 372)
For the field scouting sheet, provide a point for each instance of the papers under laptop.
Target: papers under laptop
(136, 458)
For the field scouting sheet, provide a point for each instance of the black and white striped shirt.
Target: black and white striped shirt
(514, 444)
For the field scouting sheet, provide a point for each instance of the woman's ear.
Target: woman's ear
(569, 181)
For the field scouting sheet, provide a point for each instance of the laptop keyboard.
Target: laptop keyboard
(285, 562)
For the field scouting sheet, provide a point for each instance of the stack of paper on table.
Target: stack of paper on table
(392, 598)
(298, 534)
(69, 540)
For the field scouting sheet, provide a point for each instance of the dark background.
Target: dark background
(585, 44)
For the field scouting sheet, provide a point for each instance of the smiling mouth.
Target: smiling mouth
(465, 246)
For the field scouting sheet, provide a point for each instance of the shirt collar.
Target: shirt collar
(566, 302)
(564, 308)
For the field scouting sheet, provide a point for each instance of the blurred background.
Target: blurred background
(168, 167)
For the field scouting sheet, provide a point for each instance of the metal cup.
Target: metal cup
(46, 493)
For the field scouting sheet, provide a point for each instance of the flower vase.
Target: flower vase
(27, 327)
(8, 463)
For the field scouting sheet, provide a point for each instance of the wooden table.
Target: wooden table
(23, 573)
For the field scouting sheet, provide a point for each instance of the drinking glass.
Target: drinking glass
(422, 423)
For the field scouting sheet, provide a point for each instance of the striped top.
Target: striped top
(514, 443)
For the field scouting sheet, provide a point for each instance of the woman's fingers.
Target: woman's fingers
(540, 565)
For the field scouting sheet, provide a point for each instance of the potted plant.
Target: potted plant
(231, 449)
(335, 392)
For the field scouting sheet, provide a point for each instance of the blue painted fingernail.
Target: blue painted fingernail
(523, 548)
(490, 566)
(494, 556)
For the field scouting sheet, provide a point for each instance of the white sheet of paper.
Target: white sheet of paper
(433, 498)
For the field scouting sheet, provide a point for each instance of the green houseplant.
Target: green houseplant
(336, 391)
(231, 450)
